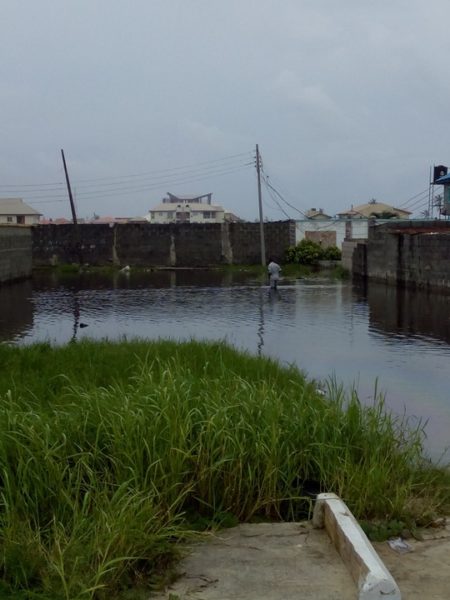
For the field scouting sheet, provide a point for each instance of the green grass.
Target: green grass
(288, 270)
(112, 453)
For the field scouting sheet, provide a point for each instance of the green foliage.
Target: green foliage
(68, 268)
(380, 531)
(305, 252)
(111, 453)
(308, 252)
(385, 214)
(332, 253)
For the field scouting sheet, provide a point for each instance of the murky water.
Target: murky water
(398, 338)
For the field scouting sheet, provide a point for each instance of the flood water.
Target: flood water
(393, 338)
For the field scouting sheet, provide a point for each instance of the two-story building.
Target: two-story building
(189, 209)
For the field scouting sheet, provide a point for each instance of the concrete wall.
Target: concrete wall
(177, 245)
(15, 252)
(354, 256)
(411, 253)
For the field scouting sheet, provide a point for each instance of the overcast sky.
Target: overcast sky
(347, 100)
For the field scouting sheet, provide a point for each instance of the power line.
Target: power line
(149, 173)
(266, 178)
(155, 184)
(162, 178)
(132, 190)
(120, 180)
(413, 198)
(55, 185)
(413, 204)
(166, 182)
(275, 200)
(46, 201)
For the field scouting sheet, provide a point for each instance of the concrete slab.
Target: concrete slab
(266, 561)
(424, 572)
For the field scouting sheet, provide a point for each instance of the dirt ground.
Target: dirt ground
(287, 561)
(423, 573)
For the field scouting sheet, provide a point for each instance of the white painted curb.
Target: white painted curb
(371, 576)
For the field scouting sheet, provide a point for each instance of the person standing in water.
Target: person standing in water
(273, 270)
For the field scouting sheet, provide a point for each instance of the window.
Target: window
(208, 214)
(9, 219)
(182, 217)
(21, 219)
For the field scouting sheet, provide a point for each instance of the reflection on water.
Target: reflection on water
(398, 312)
(16, 309)
(398, 337)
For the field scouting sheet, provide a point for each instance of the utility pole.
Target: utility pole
(261, 220)
(76, 230)
(69, 190)
(430, 194)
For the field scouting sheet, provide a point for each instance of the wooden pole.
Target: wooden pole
(74, 214)
(430, 210)
(261, 219)
(69, 190)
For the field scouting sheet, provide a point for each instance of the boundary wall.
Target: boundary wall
(15, 252)
(173, 245)
(415, 254)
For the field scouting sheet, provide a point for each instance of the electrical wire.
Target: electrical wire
(413, 197)
(269, 185)
(124, 181)
(137, 189)
(275, 200)
(146, 186)
(37, 186)
(161, 179)
(172, 169)
(160, 184)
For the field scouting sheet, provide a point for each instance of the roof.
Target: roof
(193, 206)
(313, 213)
(371, 208)
(16, 206)
(176, 198)
(58, 221)
(232, 218)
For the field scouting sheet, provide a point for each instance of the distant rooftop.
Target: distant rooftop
(172, 198)
(313, 213)
(16, 206)
(374, 208)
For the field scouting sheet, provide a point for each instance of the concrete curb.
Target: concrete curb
(368, 571)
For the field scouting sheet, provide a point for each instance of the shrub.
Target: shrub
(308, 252)
(332, 253)
(305, 252)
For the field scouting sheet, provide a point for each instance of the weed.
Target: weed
(113, 453)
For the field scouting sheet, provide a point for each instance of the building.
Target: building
(331, 231)
(188, 209)
(374, 209)
(352, 224)
(315, 214)
(14, 211)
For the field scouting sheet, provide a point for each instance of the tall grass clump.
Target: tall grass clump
(111, 452)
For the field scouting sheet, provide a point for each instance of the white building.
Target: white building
(331, 231)
(188, 209)
(14, 211)
(352, 224)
